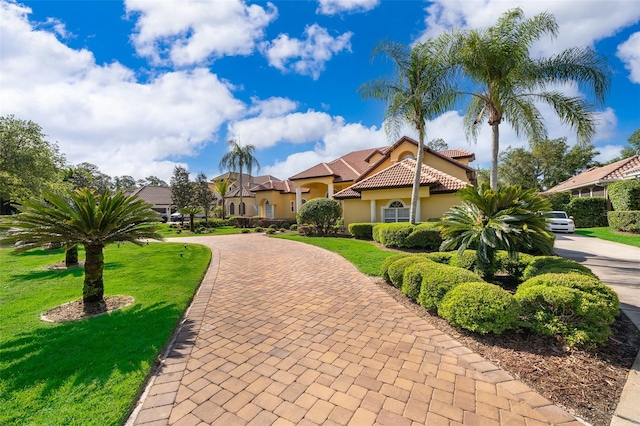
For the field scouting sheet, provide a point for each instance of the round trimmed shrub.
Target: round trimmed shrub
(412, 278)
(438, 280)
(480, 307)
(554, 265)
(466, 260)
(425, 236)
(384, 268)
(397, 268)
(361, 231)
(441, 256)
(320, 214)
(577, 307)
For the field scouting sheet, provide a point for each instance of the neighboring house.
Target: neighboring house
(593, 182)
(374, 185)
(158, 196)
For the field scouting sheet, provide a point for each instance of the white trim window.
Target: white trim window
(395, 212)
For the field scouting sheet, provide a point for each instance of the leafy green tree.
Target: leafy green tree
(420, 90)
(237, 159)
(545, 164)
(490, 220)
(204, 196)
(630, 151)
(182, 191)
(191, 210)
(82, 217)
(124, 182)
(152, 181)
(28, 163)
(438, 144)
(322, 214)
(222, 187)
(87, 175)
(505, 83)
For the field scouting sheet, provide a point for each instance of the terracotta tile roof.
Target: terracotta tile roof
(633, 171)
(156, 195)
(458, 153)
(605, 174)
(236, 192)
(346, 168)
(401, 175)
(282, 186)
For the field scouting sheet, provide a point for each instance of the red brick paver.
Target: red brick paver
(284, 333)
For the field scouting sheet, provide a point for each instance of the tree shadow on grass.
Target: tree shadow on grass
(86, 354)
(75, 271)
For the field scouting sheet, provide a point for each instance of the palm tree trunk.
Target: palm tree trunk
(240, 210)
(495, 145)
(71, 256)
(415, 191)
(191, 222)
(93, 290)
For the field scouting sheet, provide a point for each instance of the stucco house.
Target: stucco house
(158, 196)
(593, 182)
(374, 185)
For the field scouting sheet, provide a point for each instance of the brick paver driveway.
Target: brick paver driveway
(284, 333)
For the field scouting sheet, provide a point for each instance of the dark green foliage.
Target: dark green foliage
(321, 215)
(588, 212)
(513, 266)
(576, 307)
(412, 278)
(213, 223)
(559, 200)
(625, 221)
(466, 259)
(556, 265)
(392, 234)
(625, 195)
(425, 236)
(397, 268)
(441, 256)
(480, 307)
(294, 227)
(362, 231)
(384, 268)
(439, 280)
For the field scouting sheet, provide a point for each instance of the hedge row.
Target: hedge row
(402, 235)
(588, 212)
(560, 297)
(627, 221)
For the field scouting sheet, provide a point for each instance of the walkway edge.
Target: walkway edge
(195, 312)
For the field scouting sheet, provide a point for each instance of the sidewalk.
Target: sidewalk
(285, 333)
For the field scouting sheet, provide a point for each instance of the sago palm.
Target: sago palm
(221, 187)
(237, 159)
(81, 217)
(419, 91)
(505, 84)
(489, 220)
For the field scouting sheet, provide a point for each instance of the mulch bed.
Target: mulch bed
(587, 382)
(75, 310)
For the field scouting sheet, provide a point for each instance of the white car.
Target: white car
(559, 221)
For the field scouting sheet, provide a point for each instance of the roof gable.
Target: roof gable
(605, 174)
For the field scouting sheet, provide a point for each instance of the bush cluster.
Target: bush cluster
(320, 216)
(627, 221)
(559, 297)
(405, 235)
(625, 195)
(361, 230)
(588, 212)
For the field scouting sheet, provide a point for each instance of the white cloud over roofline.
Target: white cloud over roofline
(629, 53)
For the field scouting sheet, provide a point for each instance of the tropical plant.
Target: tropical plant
(237, 159)
(490, 220)
(221, 187)
(81, 217)
(419, 91)
(505, 83)
(191, 210)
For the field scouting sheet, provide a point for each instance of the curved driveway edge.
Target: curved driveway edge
(285, 333)
(618, 266)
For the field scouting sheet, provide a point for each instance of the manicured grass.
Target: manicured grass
(168, 232)
(88, 372)
(610, 234)
(366, 256)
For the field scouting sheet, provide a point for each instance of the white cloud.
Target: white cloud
(332, 7)
(307, 56)
(629, 53)
(271, 107)
(608, 153)
(188, 32)
(580, 23)
(101, 114)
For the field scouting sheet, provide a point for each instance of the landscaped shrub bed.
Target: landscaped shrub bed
(627, 221)
(560, 297)
(362, 231)
(405, 235)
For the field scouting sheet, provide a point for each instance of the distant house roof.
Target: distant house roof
(401, 174)
(159, 196)
(458, 153)
(622, 169)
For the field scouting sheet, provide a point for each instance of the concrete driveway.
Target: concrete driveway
(617, 265)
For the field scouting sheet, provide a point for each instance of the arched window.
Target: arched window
(585, 192)
(268, 210)
(232, 208)
(395, 212)
(409, 156)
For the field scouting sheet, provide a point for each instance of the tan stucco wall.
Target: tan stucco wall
(355, 211)
(445, 166)
(437, 205)
(281, 203)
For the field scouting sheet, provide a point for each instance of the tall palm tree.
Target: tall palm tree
(505, 82)
(489, 220)
(237, 159)
(81, 217)
(221, 187)
(419, 91)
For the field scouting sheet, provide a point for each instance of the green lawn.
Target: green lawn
(366, 256)
(168, 232)
(88, 372)
(609, 234)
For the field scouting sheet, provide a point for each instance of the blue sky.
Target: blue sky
(138, 86)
